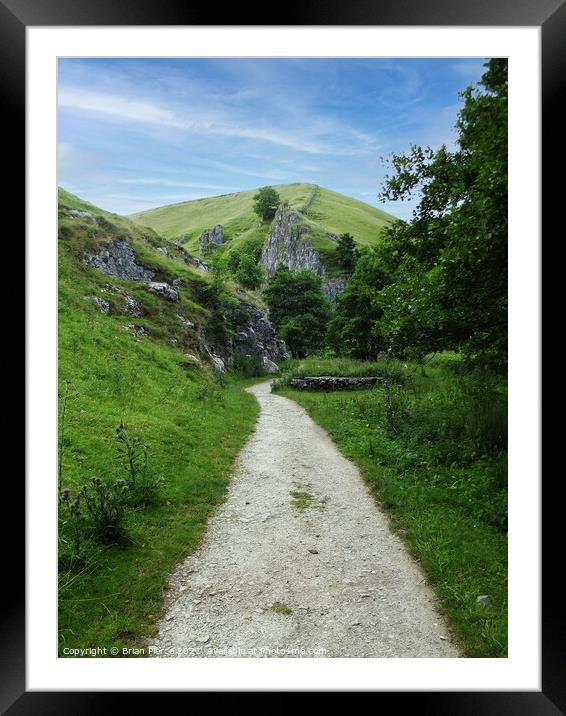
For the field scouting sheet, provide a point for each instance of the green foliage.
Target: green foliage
(218, 299)
(266, 202)
(248, 272)
(449, 283)
(248, 366)
(347, 252)
(298, 309)
(105, 505)
(352, 328)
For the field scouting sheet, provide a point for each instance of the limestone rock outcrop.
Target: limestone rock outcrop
(288, 244)
(210, 239)
(117, 259)
(254, 336)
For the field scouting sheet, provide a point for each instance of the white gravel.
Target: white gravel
(351, 587)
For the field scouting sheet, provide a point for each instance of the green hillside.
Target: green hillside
(329, 211)
(114, 367)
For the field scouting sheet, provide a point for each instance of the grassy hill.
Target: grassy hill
(114, 367)
(329, 211)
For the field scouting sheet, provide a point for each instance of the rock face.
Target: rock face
(102, 304)
(164, 290)
(255, 337)
(328, 382)
(197, 263)
(288, 244)
(80, 214)
(210, 239)
(117, 259)
(218, 364)
(132, 307)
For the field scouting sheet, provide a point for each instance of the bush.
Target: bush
(298, 309)
(249, 273)
(248, 366)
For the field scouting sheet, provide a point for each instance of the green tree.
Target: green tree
(298, 309)
(266, 202)
(347, 252)
(449, 289)
(217, 298)
(352, 329)
(249, 272)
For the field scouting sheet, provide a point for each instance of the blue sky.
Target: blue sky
(139, 133)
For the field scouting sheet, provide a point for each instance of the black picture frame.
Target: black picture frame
(550, 16)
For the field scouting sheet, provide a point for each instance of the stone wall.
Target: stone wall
(328, 382)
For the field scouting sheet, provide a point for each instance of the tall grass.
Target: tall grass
(394, 370)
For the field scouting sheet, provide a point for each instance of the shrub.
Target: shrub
(248, 366)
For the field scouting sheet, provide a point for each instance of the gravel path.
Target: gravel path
(315, 573)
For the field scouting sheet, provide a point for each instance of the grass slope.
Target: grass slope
(194, 423)
(339, 214)
(329, 211)
(445, 494)
(233, 211)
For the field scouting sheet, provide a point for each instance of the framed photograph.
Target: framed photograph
(283, 359)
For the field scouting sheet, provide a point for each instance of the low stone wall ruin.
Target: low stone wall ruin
(328, 382)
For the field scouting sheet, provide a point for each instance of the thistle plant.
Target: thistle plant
(105, 504)
(142, 483)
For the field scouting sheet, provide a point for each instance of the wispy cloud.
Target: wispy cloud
(131, 130)
(144, 111)
(157, 181)
(116, 106)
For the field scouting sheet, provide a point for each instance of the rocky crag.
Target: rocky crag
(253, 333)
(254, 337)
(210, 239)
(289, 244)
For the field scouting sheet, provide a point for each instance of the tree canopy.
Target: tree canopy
(352, 329)
(266, 202)
(449, 289)
(439, 281)
(347, 252)
(298, 309)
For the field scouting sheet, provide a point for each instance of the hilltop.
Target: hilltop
(326, 210)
